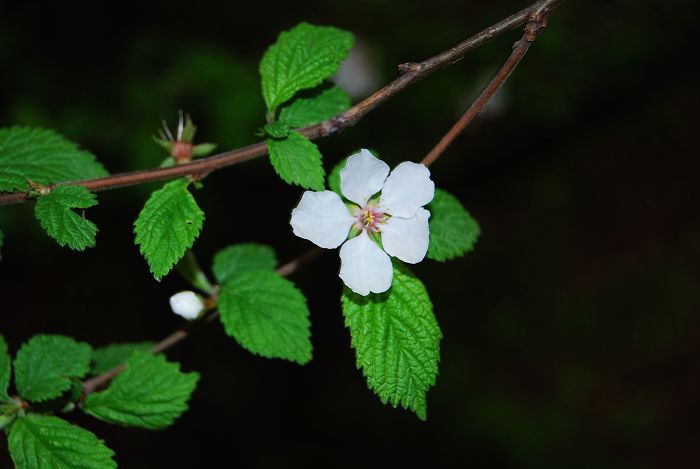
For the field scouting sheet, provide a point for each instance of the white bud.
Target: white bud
(187, 304)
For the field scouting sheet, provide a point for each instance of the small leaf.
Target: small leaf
(453, 232)
(203, 149)
(267, 315)
(396, 340)
(151, 393)
(45, 365)
(297, 161)
(47, 442)
(111, 356)
(301, 58)
(167, 226)
(334, 177)
(277, 129)
(315, 109)
(5, 369)
(239, 258)
(42, 156)
(55, 213)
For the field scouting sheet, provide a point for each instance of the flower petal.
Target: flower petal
(408, 187)
(322, 218)
(362, 177)
(364, 267)
(407, 238)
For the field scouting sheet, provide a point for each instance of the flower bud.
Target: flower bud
(187, 304)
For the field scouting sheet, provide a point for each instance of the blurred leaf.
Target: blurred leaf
(301, 58)
(396, 340)
(167, 226)
(43, 157)
(5, 369)
(267, 315)
(46, 364)
(151, 393)
(55, 213)
(334, 177)
(239, 258)
(47, 442)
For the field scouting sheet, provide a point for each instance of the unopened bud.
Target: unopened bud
(187, 304)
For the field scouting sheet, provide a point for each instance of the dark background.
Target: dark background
(571, 333)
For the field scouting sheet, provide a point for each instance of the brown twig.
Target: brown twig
(520, 48)
(101, 381)
(412, 73)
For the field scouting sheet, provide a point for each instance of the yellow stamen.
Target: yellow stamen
(369, 218)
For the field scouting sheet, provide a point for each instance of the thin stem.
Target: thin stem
(412, 73)
(533, 28)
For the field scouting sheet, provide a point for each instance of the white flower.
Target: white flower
(187, 304)
(397, 217)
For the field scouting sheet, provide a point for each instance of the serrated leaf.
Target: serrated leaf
(42, 156)
(238, 258)
(111, 356)
(5, 369)
(151, 393)
(396, 340)
(334, 177)
(267, 315)
(453, 232)
(56, 215)
(301, 58)
(323, 105)
(297, 160)
(45, 365)
(277, 129)
(47, 442)
(167, 226)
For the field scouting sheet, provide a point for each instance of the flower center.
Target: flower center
(371, 219)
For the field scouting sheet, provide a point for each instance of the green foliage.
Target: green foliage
(111, 356)
(42, 156)
(151, 393)
(239, 258)
(167, 226)
(315, 109)
(55, 213)
(453, 232)
(301, 58)
(297, 161)
(5, 369)
(277, 129)
(47, 442)
(46, 364)
(267, 315)
(203, 149)
(334, 177)
(396, 339)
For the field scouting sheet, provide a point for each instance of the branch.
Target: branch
(412, 73)
(533, 28)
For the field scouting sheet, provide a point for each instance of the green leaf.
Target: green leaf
(43, 157)
(267, 315)
(45, 365)
(296, 160)
(396, 340)
(301, 58)
(315, 109)
(151, 393)
(5, 369)
(334, 177)
(47, 442)
(239, 258)
(277, 129)
(453, 232)
(55, 213)
(203, 149)
(167, 226)
(111, 356)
